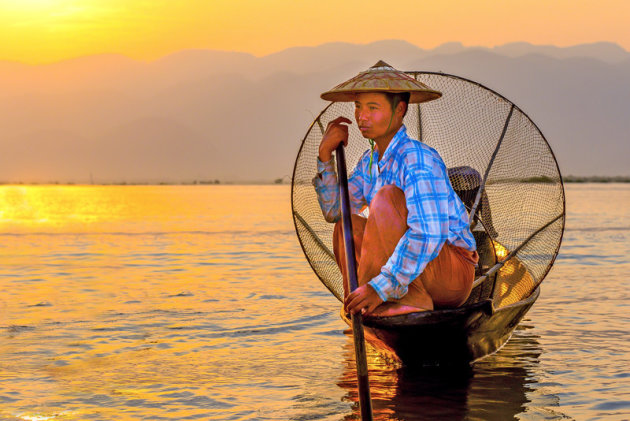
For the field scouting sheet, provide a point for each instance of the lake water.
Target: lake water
(196, 302)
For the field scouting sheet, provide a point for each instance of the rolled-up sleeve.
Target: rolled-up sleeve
(327, 188)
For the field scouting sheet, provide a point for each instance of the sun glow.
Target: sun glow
(42, 31)
(29, 4)
(27, 12)
(52, 29)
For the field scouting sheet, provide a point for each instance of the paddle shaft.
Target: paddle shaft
(365, 401)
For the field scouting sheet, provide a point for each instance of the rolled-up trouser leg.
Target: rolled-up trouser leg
(449, 277)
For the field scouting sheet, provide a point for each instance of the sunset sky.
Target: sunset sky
(44, 31)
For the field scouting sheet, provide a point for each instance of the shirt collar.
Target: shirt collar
(398, 137)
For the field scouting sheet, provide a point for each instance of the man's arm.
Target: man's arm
(325, 182)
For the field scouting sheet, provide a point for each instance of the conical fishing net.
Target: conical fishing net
(500, 165)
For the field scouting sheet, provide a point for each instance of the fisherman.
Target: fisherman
(415, 250)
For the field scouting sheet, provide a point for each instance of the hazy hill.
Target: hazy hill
(202, 114)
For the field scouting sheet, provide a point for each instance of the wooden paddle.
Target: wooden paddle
(365, 401)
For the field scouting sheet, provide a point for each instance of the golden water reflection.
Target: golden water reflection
(172, 302)
(132, 302)
(137, 209)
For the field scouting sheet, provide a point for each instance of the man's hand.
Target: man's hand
(364, 298)
(336, 132)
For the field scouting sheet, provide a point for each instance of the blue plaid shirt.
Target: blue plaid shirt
(435, 216)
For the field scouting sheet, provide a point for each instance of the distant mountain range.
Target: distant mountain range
(211, 115)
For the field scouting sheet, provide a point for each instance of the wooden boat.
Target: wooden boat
(447, 336)
(505, 173)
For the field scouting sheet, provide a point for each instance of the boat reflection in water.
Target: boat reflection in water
(496, 388)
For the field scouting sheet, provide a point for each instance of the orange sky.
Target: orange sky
(42, 31)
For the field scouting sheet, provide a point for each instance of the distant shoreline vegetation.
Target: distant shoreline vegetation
(567, 179)
(596, 179)
(286, 181)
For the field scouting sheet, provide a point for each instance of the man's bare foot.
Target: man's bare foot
(396, 309)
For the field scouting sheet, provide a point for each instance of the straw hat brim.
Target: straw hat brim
(416, 97)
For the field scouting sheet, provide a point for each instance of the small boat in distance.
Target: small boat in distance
(504, 171)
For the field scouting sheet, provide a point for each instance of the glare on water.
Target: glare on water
(196, 302)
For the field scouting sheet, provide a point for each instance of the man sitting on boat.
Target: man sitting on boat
(415, 250)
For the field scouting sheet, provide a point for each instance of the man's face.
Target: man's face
(373, 114)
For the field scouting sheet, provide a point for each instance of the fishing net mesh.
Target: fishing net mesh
(485, 142)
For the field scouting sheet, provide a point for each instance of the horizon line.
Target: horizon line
(278, 181)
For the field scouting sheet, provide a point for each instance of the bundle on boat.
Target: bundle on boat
(503, 169)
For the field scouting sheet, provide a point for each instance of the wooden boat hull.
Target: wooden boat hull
(450, 336)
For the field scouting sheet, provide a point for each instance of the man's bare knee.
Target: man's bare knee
(388, 198)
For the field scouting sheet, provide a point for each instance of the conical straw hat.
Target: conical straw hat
(381, 78)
